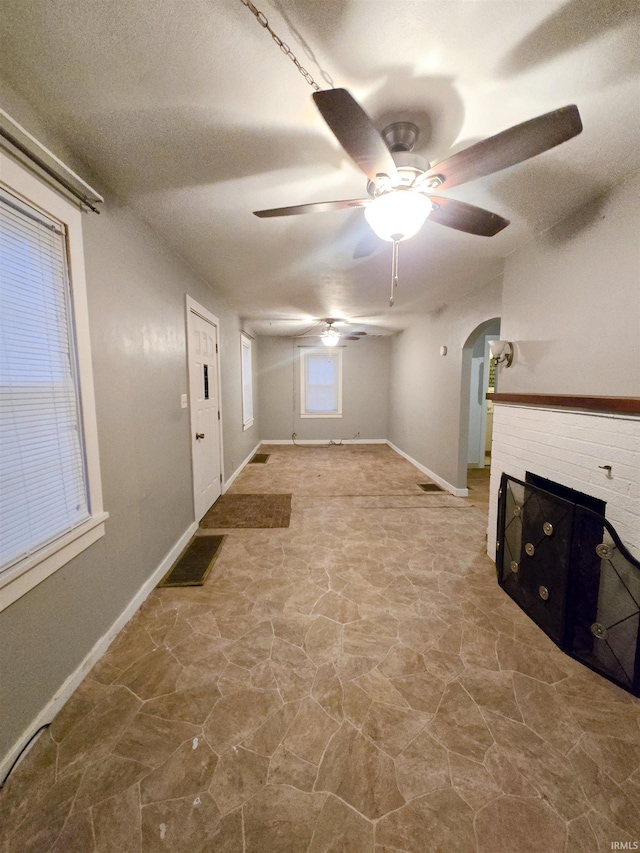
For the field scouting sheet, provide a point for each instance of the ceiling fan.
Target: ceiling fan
(330, 336)
(401, 183)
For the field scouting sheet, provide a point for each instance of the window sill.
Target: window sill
(319, 415)
(247, 425)
(24, 575)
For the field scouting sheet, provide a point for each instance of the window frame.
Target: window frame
(324, 352)
(24, 574)
(246, 353)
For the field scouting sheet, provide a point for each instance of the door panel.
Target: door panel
(205, 426)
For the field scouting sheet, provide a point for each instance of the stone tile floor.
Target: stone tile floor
(356, 682)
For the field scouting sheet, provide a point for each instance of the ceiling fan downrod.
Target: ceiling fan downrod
(400, 136)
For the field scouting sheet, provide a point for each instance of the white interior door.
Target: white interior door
(204, 398)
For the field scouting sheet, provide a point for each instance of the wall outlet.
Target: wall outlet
(183, 401)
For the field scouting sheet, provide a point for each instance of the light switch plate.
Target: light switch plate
(183, 401)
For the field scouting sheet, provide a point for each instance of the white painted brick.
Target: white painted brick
(621, 519)
(627, 426)
(634, 491)
(568, 446)
(613, 455)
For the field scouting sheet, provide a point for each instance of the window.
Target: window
(247, 382)
(320, 383)
(50, 495)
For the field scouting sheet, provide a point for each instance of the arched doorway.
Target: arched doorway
(475, 413)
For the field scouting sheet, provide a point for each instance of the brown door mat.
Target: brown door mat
(194, 564)
(248, 511)
(430, 487)
(259, 457)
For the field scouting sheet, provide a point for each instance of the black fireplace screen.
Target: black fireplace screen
(566, 567)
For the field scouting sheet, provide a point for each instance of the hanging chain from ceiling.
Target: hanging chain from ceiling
(261, 18)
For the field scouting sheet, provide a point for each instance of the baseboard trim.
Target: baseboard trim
(325, 441)
(52, 707)
(459, 493)
(240, 468)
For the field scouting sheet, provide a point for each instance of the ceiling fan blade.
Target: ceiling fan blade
(466, 217)
(316, 207)
(512, 146)
(355, 131)
(351, 338)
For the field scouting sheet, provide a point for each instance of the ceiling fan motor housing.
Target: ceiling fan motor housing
(409, 166)
(400, 136)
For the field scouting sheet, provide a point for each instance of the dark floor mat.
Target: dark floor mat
(259, 457)
(430, 487)
(195, 562)
(248, 511)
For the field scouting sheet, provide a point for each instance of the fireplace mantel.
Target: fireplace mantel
(623, 405)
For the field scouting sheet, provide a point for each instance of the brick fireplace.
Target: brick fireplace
(589, 444)
(564, 524)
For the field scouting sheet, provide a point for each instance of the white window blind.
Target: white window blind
(321, 386)
(43, 489)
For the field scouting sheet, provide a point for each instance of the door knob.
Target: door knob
(199, 435)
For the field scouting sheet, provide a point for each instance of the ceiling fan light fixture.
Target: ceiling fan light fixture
(398, 215)
(330, 337)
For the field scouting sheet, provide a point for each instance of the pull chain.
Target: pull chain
(394, 267)
(261, 18)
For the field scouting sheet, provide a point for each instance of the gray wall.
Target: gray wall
(365, 391)
(136, 288)
(427, 400)
(571, 302)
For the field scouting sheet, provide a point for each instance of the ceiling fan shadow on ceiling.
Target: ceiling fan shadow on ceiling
(401, 184)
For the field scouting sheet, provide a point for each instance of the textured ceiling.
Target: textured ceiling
(190, 112)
